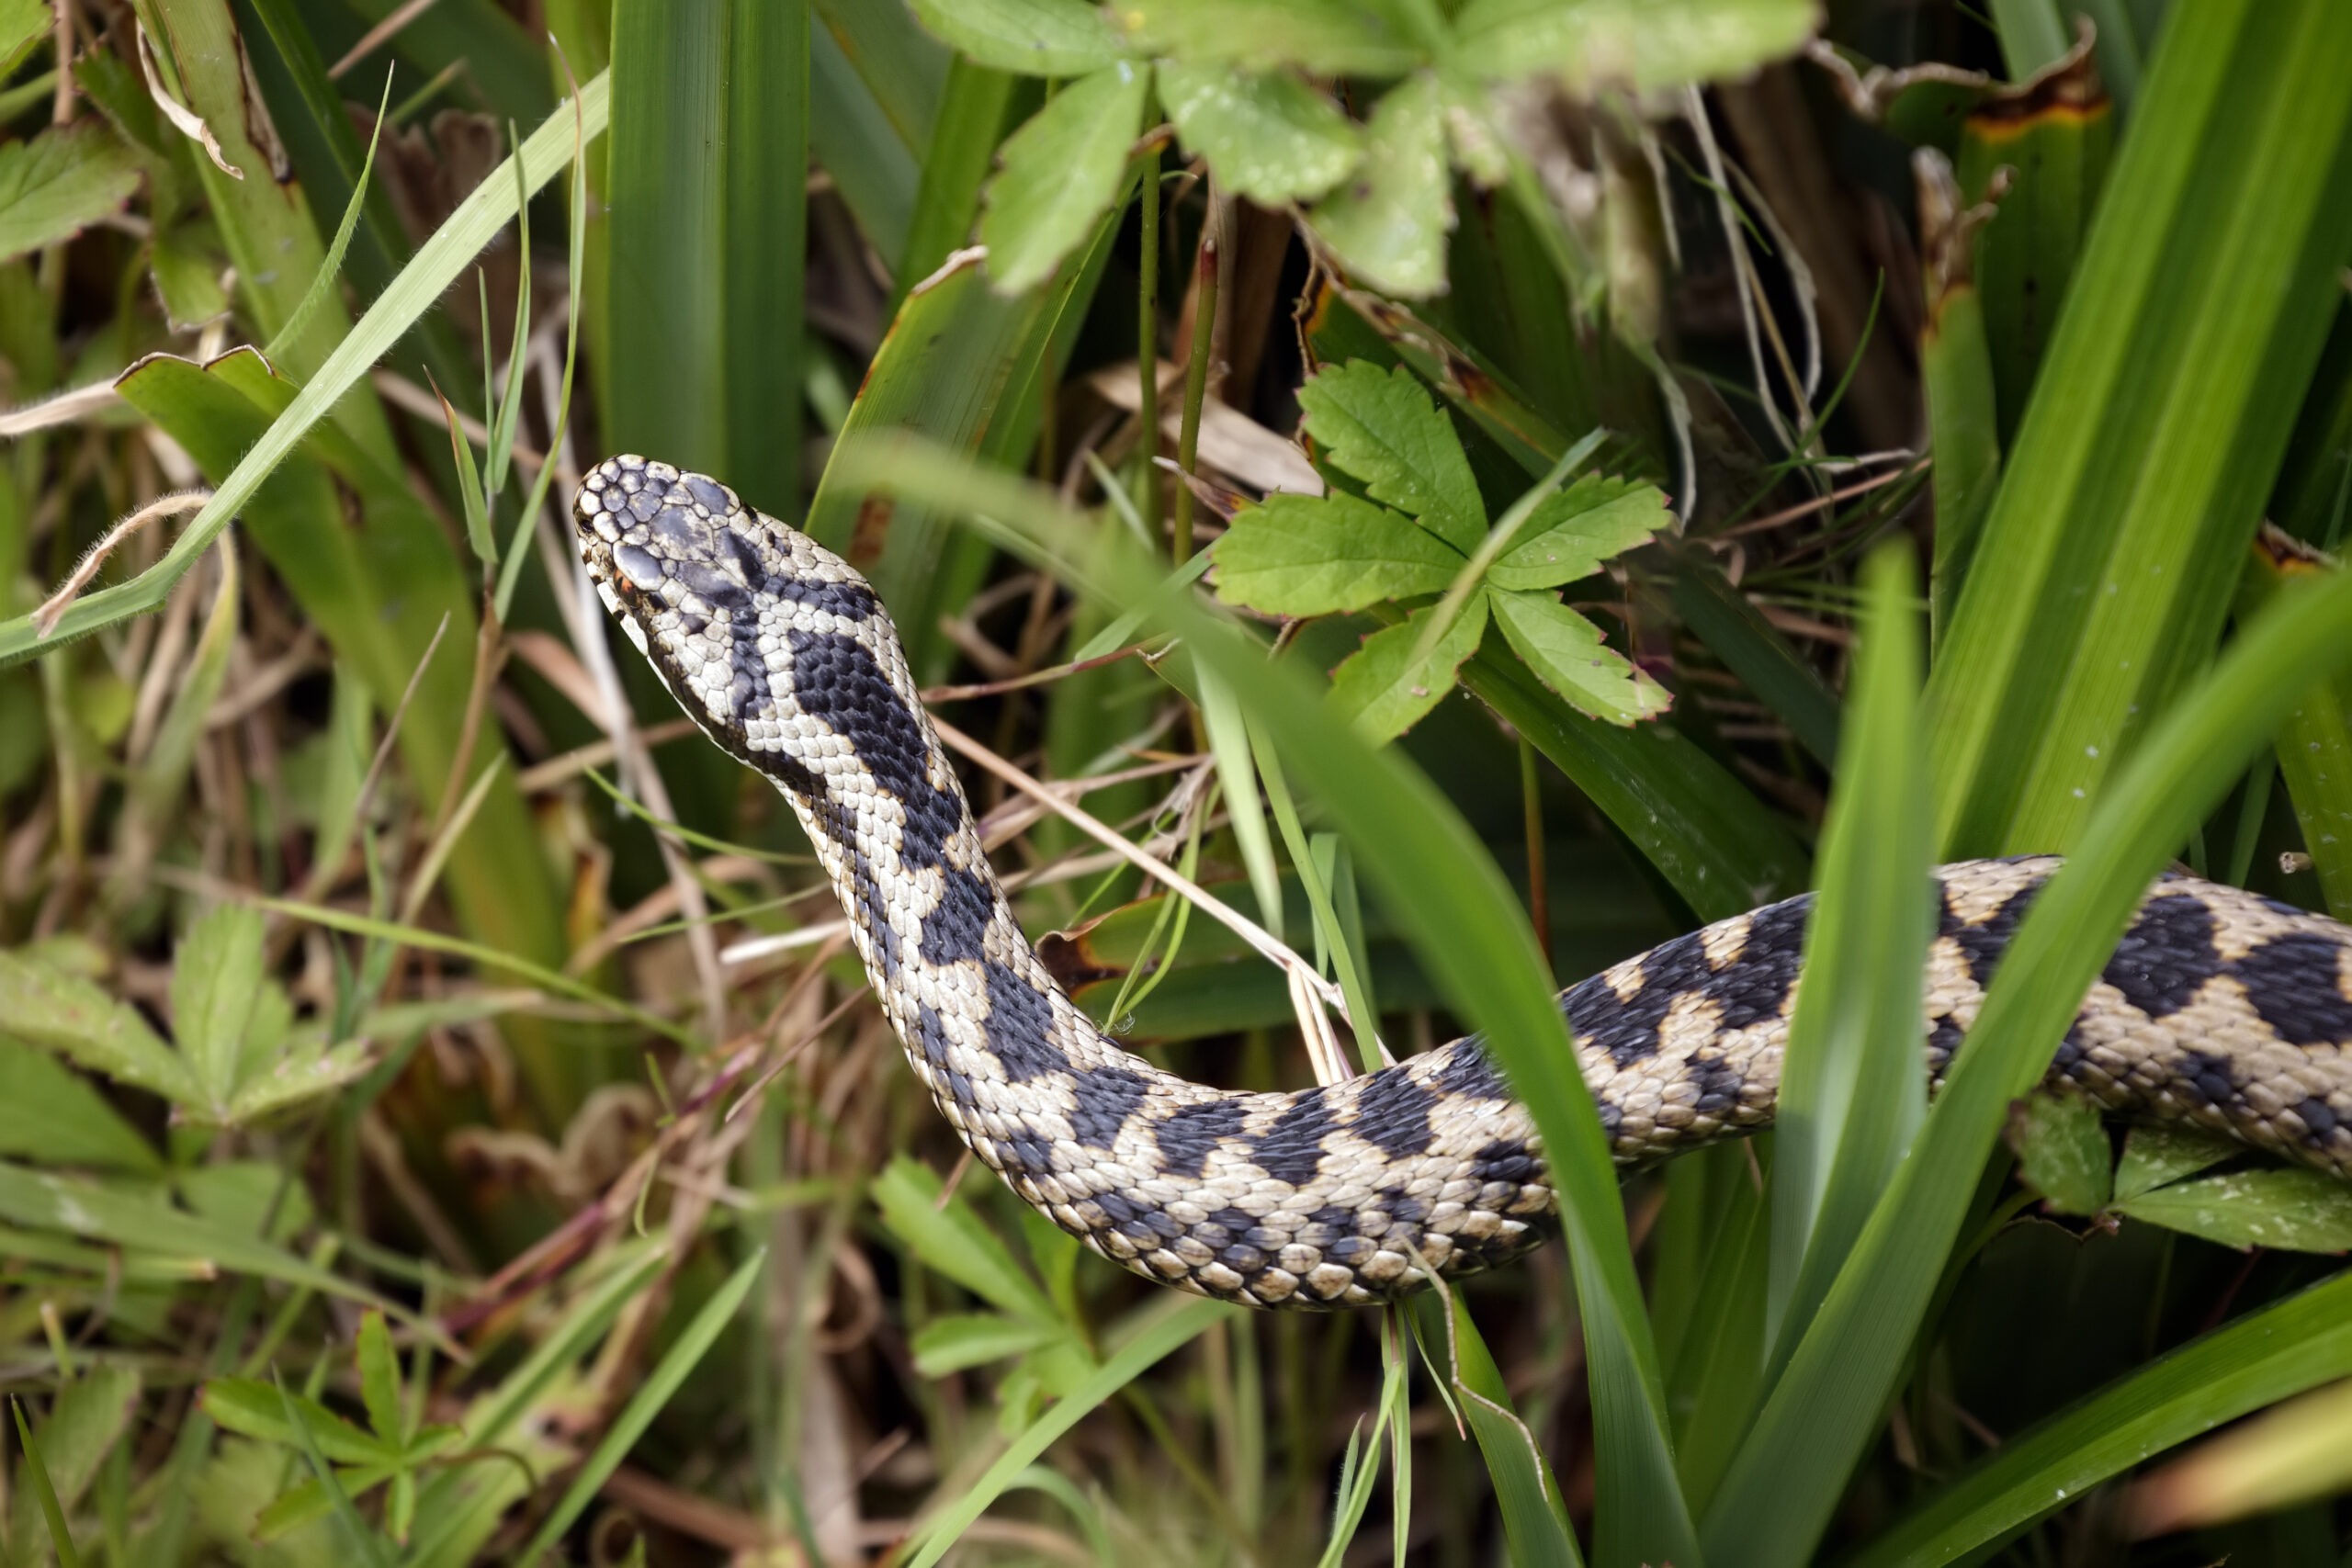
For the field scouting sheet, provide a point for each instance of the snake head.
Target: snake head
(719, 598)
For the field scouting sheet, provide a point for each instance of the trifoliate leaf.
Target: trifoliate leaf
(216, 979)
(2062, 1152)
(65, 1013)
(57, 184)
(1299, 555)
(2293, 1211)
(1324, 38)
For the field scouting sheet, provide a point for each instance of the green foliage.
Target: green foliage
(331, 979)
(1310, 555)
(57, 183)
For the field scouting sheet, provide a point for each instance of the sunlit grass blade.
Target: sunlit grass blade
(683, 1355)
(491, 959)
(1178, 1324)
(2197, 314)
(1851, 1092)
(419, 287)
(2269, 1354)
(1794, 1463)
(701, 344)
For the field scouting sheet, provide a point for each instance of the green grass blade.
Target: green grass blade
(1794, 1461)
(331, 268)
(419, 287)
(1956, 371)
(354, 1527)
(2192, 327)
(1751, 648)
(709, 165)
(1852, 1096)
(488, 958)
(683, 1355)
(60, 1538)
(2315, 746)
(1175, 1325)
(2268, 1355)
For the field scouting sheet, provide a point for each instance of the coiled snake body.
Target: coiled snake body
(2220, 1009)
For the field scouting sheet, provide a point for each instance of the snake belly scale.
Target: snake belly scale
(2219, 1009)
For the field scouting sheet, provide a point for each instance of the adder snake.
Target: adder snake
(2218, 1009)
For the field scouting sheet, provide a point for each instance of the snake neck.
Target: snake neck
(1342, 1194)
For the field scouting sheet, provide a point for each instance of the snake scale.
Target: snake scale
(2219, 1009)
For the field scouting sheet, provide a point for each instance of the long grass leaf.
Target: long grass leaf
(1794, 1463)
(683, 1355)
(1151, 1345)
(2269, 1354)
(1851, 1094)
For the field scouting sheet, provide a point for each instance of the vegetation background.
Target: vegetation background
(1725, 446)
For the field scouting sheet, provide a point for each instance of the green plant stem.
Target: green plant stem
(1196, 386)
(1148, 348)
(1539, 903)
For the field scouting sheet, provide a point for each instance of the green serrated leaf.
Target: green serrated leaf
(1573, 530)
(23, 24)
(2155, 1155)
(2292, 1211)
(1387, 227)
(251, 1408)
(2062, 1152)
(1384, 427)
(55, 184)
(380, 1377)
(1383, 690)
(61, 1013)
(1034, 37)
(301, 1073)
(1301, 555)
(1269, 136)
(1646, 44)
(1324, 38)
(1568, 652)
(48, 1115)
(216, 977)
(1060, 171)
